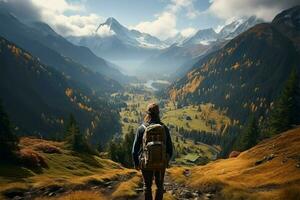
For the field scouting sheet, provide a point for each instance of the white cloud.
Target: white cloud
(76, 25)
(165, 23)
(188, 32)
(54, 13)
(163, 26)
(188, 5)
(265, 9)
(57, 6)
(104, 31)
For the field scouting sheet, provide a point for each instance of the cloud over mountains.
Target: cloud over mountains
(71, 17)
(265, 9)
(54, 13)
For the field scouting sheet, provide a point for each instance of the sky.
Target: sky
(161, 18)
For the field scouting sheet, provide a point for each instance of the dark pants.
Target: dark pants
(159, 181)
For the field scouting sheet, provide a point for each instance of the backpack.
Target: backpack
(154, 156)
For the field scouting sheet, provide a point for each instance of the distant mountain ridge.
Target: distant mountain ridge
(204, 37)
(179, 56)
(47, 36)
(120, 42)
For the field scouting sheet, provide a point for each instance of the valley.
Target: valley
(73, 95)
(201, 118)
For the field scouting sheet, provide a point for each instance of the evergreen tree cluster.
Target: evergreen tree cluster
(119, 149)
(286, 110)
(74, 138)
(202, 136)
(8, 140)
(249, 135)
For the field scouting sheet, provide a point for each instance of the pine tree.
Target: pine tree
(127, 147)
(285, 112)
(8, 140)
(74, 138)
(249, 135)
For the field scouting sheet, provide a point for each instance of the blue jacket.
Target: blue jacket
(138, 141)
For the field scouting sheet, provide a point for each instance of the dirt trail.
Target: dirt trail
(177, 191)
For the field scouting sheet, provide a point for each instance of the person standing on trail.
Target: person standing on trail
(152, 150)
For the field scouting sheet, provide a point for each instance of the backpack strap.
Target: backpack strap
(144, 126)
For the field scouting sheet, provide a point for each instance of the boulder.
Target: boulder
(234, 154)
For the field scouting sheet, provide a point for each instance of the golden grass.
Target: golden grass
(127, 189)
(83, 195)
(66, 169)
(168, 196)
(79, 195)
(240, 177)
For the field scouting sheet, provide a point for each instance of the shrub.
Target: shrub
(32, 159)
(291, 193)
(234, 154)
(47, 148)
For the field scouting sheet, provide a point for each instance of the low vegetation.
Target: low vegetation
(128, 188)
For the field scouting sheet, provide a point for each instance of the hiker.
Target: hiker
(152, 150)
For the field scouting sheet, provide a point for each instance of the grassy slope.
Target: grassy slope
(68, 169)
(207, 112)
(240, 178)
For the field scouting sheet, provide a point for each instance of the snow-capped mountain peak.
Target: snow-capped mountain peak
(203, 36)
(111, 27)
(231, 27)
(237, 27)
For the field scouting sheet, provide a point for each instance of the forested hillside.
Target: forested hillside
(243, 77)
(39, 99)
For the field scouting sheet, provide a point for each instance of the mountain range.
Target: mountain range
(178, 57)
(248, 72)
(53, 49)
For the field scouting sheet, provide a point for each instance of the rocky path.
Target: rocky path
(178, 191)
